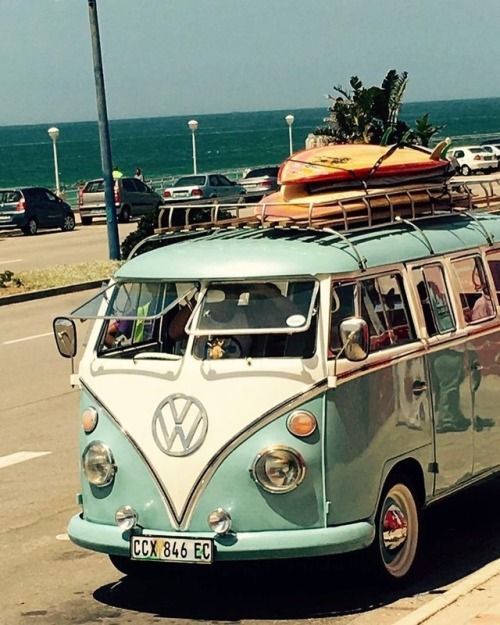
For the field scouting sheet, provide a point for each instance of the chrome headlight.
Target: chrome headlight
(98, 464)
(279, 469)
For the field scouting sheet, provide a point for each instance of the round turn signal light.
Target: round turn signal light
(89, 419)
(302, 423)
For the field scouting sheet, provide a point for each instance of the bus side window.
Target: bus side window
(493, 259)
(434, 299)
(475, 296)
(384, 307)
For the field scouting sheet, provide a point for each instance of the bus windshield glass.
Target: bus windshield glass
(255, 307)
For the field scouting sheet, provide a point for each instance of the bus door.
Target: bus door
(381, 411)
(447, 364)
(479, 305)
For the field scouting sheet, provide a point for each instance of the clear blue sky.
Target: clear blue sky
(169, 57)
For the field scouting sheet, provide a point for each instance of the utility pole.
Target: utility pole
(104, 139)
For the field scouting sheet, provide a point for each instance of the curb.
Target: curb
(427, 611)
(58, 290)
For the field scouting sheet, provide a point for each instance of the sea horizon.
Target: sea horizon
(243, 111)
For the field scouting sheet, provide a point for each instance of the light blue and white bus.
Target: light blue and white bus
(254, 390)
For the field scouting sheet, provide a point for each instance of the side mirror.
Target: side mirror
(65, 335)
(355, 338)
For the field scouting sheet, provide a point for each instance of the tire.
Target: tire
(398, 531)
(68, 223)
(125, 215)
(130, 567)
(86, 221)
(465, 170)
(31, 228)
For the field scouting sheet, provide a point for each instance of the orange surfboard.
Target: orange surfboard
(347, 163)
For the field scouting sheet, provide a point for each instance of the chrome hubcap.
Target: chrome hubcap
(394, 528)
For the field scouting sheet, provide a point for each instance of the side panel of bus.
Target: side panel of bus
(374, 421)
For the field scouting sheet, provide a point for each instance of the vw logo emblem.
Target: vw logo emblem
(180, 425)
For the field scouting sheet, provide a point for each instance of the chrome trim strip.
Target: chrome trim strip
(238, 439)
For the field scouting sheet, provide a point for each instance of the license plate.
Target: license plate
(169, 549)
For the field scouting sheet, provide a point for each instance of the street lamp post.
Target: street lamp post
(54, 135)
(289, 120)
(193, 127)
(104, 138)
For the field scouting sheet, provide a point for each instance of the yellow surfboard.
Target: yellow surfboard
(347, 163)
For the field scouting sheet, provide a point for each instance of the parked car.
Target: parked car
(260, 181)
(32, 208)
(492, 149)
(203, 187)
(132, 198)
(473, 158)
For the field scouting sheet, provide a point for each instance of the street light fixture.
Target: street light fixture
(193, 127)
(54, 135)
(289, 120)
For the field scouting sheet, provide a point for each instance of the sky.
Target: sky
(178, 57)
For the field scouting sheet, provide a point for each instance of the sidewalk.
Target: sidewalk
(475, 600)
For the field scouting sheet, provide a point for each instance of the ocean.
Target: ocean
(162, 146)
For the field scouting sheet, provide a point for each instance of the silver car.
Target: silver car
(260, 181)
(203, 187)
(132, 199)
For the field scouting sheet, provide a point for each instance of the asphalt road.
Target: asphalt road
(45, 580)
(53, 247)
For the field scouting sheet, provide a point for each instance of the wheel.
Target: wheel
(86, 221)
(31, 228)
(397, 530)
(465, 170)
(125, 214)
(68, 223)
(130, 567)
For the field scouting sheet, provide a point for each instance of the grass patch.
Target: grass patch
(59, 275)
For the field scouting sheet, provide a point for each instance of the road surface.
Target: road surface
(53, 247)
(45, 580)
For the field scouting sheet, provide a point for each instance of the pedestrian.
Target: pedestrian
(138, 174)
(117, 173)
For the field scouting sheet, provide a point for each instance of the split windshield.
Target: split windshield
(239, 320)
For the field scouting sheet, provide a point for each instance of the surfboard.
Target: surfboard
(348, 163)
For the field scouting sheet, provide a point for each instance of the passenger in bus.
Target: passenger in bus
(483, 307)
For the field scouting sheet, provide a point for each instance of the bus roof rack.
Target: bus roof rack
(338, 213)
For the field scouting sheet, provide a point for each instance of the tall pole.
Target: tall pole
(289, 120)
(195, 166)
(54, 135)
(193, 127)
(104, 139)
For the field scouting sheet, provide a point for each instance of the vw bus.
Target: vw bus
(259, 389)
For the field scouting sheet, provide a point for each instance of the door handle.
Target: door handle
(418, 387)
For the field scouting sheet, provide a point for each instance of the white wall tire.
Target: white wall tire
(398, 530)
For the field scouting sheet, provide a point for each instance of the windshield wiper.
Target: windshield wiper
(156, 356)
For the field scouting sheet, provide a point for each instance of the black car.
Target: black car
(32, 208)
